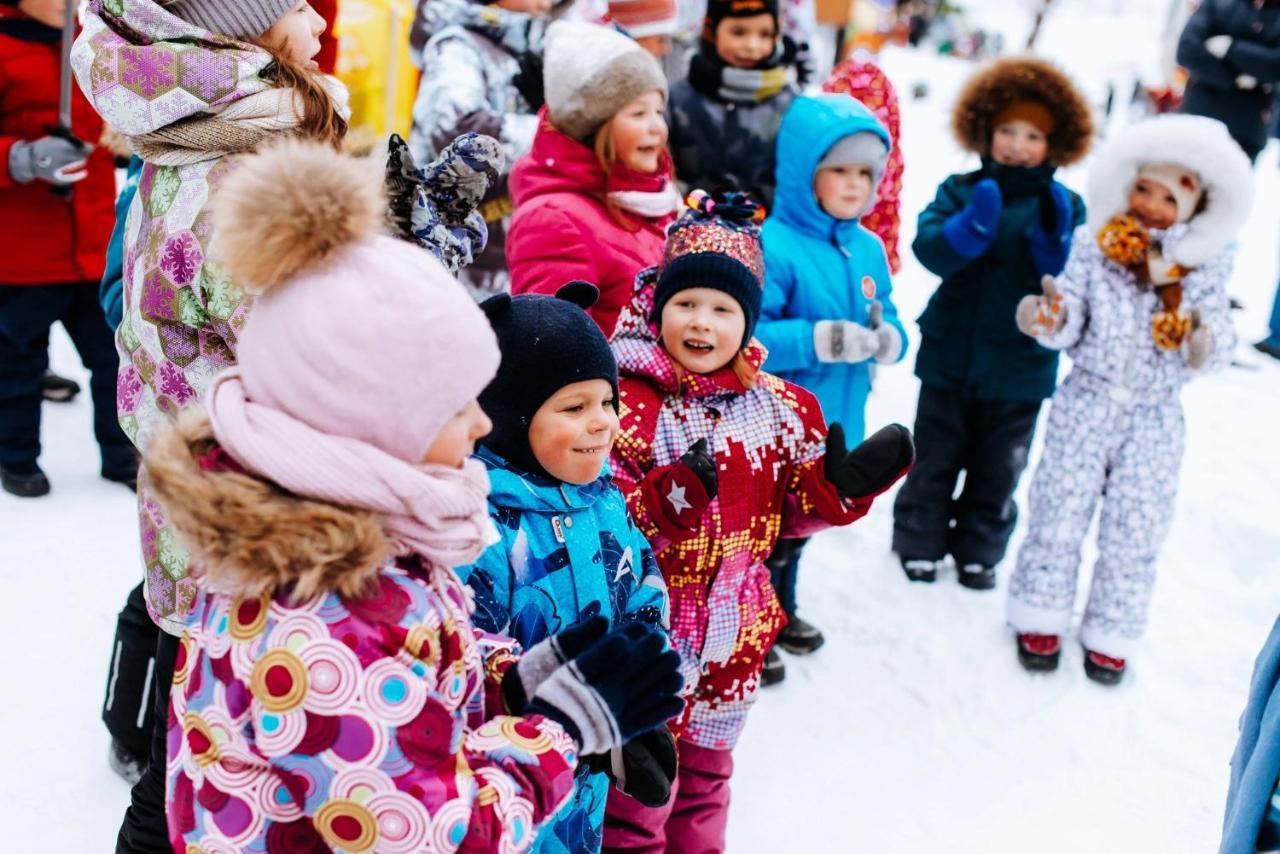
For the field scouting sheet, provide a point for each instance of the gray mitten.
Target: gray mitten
(886, 333)
(54, 159)
(1044, 315)
(1199, 342)
(844, 341)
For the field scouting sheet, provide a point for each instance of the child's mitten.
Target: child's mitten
(678, 494)
(539, 661)
(1051, 237)
(971, 230)
(873, 466)
(1041, 316)
(645, 767)
(890, 342)
(528, 80)
(622, 685)
(844, 341)
(53, 159)
(1199, 342)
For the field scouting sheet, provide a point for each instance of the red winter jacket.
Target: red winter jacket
(44, 238)
(561, 230)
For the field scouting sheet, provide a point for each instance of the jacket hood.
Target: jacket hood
(249, 537)
(513, 489)
(518, 31)
(638, 347)
(809, 130)
(1191, 142)
(143, 68)
(558, 164)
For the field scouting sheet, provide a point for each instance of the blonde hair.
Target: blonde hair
(607, 157)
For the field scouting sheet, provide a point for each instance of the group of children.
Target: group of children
(510, 575)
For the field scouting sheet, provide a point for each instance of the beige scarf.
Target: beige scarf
(239, 126)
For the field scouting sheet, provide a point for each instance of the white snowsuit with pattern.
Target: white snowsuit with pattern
(1115, 433)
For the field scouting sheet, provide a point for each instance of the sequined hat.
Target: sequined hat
(715, 244)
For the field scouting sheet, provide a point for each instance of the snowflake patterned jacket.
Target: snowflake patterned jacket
(567, 553)
(1107, 332)
(144, 69)
(365, 717)
(769, 444)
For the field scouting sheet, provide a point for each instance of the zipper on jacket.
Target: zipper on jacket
(573, 576)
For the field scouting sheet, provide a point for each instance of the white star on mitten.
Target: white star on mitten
(677, 499)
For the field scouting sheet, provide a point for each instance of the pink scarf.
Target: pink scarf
(438, 512)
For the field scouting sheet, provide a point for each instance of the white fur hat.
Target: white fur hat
(590, 72)
(1195, 143)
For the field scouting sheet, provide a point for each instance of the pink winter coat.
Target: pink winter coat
(562, 231)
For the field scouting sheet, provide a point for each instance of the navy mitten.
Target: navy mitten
(971, 231)
(1051, 236)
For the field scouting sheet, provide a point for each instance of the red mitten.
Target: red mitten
(678, 494)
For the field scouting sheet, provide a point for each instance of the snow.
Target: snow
(914, 728)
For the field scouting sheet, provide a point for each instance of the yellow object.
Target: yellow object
(373, 62)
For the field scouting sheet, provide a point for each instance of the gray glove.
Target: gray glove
(58, 161)
(1199, 343)
(844, 341)
(1044, 315)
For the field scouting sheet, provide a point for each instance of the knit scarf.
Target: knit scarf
(437, 512)
(715, 78)
(239, 126)
(652, 205)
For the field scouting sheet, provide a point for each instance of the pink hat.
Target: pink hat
(641, 18)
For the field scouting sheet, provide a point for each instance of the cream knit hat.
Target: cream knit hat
(591, 72)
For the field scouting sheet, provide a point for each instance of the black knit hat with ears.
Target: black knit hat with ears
(547, 343)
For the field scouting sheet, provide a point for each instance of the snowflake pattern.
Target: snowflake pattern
(148, 71)
(181, 257)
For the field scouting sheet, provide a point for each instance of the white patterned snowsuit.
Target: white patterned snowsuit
(1115, 432)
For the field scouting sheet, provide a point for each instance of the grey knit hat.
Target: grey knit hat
(590, 72)
(862, 148)
(240, 19)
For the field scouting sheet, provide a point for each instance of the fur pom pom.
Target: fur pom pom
(293, 206)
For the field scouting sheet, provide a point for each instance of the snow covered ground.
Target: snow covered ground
(914, 729)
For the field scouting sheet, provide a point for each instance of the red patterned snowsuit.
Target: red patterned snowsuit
(864, 81)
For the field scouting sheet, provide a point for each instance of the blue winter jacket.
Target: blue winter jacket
(1255, 766)
(567, 553)
(818, 267)
(111, 291)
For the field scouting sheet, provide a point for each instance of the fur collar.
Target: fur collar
(247, 536)
(1192, 142)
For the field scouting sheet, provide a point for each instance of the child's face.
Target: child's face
(843, 191)
(536, 8)
(746, 42)
(702, 329)
(658, 46)
(1019, 143)
(572, 433)
(1153, 204)
(296, 34)
(48, 12)
(457, 439)
(640, 132)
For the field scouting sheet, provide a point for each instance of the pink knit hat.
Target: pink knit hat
(641, 18)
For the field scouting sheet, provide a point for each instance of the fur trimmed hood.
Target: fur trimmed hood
(1192, 142)
(998, 85)
(247, 536)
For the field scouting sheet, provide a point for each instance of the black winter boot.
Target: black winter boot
(918, 569)
(800, 637)
(59, 389)
(774, 670)
(976, 576)
(1039, 653)
(24, 483)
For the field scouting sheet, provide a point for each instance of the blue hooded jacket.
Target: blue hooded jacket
(567, 553)
(1255, 766)
(818, 267)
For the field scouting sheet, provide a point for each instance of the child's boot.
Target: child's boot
(58, 389)
(1038, 653)
(25, 481)
(774, 670)
(800, 637)
(1103, 669)
(919, 569)
(977, 576)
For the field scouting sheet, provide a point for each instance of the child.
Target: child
(990, 235)
(827, 312)
(1253, 799)
(594, 195)
(332, 690)
(56, 191)
(860, 78)
(717, 460)
(569, 551)
(245, 79)
(652, 23)
(1141, 308)
(470, 66)
(725, 115)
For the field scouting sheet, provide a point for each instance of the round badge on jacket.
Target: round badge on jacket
(868, 287)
